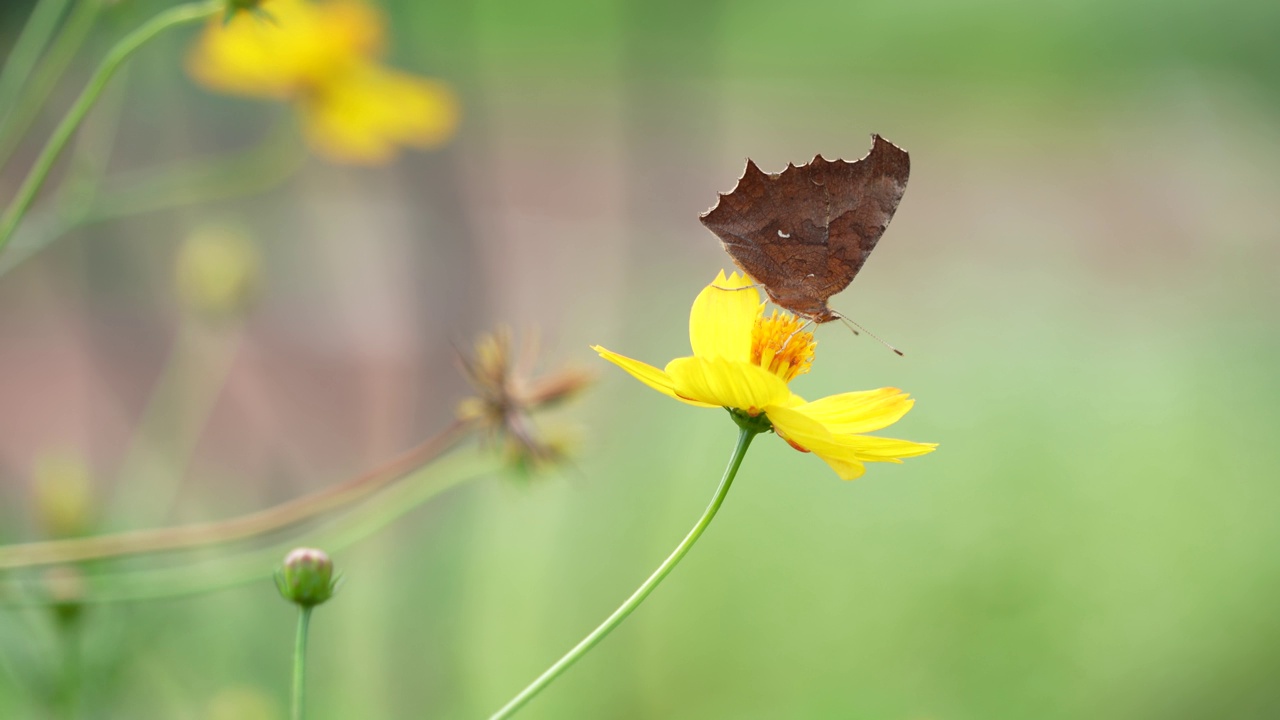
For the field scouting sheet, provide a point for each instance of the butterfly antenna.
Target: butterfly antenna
(855, 327)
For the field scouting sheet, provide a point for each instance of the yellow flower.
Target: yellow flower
(743, 360)
(323, 58)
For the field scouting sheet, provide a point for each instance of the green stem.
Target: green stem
(36, 91)
(642, 592)
(250, 172)
(71, 671)
(300, 663)
(275, 159)
(172, 17)
(40, 25)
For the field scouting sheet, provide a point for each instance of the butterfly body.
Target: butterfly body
(804, 233)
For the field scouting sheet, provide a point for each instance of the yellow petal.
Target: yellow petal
(723, 317)
(354, 25)
(793, 401)
(808, 435)
(303, 46)
(647, 374)
(733, 282)
(845, 453)
(878, 449)
(717, 381)
(365, 114)
(859, 412)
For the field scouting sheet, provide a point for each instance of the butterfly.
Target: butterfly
(804, 233)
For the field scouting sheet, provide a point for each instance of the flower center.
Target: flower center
(781, 346)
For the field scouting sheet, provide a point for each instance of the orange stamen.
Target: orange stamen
(779, 345)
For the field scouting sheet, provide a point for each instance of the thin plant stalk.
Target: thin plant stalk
(31, 42)
(69, 631)
(300, 664)
(173, 17)
(181, 401)
(44, 79)
(745, 436)
(270, 162)
(276, 158)
(225, 572)
(242, 527)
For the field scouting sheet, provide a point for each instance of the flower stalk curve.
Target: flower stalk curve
(746, 434)
(173, 17)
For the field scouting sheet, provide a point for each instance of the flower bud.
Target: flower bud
(217, 273)
(306, 577)
(62, 492)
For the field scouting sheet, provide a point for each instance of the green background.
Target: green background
(1084, 274)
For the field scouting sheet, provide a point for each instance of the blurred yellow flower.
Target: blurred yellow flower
(322, 56)
(742, 360)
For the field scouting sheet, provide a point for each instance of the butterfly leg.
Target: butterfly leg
(795, 332)
(754, 286)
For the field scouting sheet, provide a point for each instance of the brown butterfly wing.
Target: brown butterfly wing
(805, 233)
